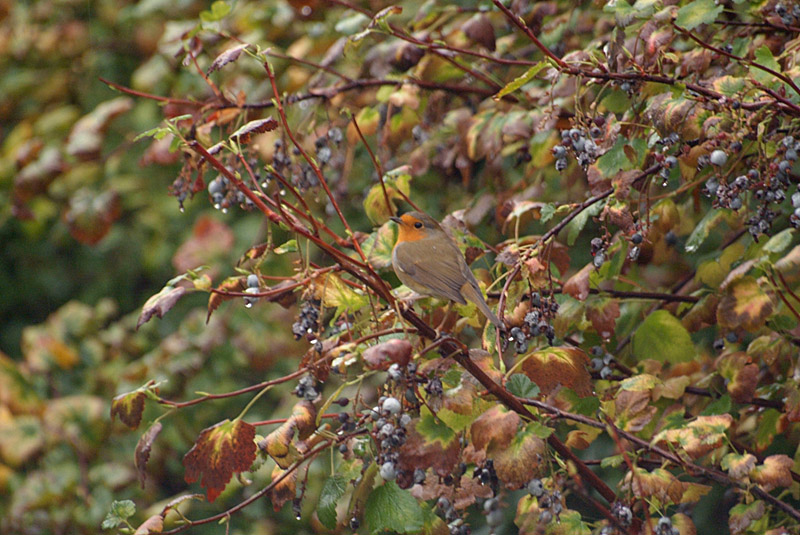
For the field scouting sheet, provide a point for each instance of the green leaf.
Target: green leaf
(521, 386)
(332, 491)
(729, 85)
(538, 429)
(119, 513)
(521, 80)
(288, 247)
(546, 213)
(698, 12)
(615, 160)
(779, 241)
(432, 429)
(764, 57)
(219, 10)
(662, 337)
(722, 405)
(575, 226)
(703, 228)
(611, 462)
(392, 509)
(767, 429)
(617, 101)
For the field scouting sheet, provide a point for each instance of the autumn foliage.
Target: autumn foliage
(622, 178)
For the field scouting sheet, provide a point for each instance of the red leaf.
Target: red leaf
(219, 452)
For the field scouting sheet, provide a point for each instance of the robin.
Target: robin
(430, 263)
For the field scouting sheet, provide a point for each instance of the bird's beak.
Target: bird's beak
(396, 219)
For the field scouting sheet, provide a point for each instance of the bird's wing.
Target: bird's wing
(435, 267)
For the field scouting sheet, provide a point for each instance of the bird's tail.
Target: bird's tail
(471, 293)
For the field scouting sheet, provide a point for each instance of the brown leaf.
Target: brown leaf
(740, 520)
(555, 367)
(699, 437)
(521, 460)
(210, 239)
(498, 426)
(219, 452)
(89, 215)
(738, 466)
(744, 305)
(129, 407)
(258, 126)
(578, 285)
(603, 315)
(634, 410)
(284, 490)
(142, 452)
(279, 444)
(215, 299)
(663, 486)
(232, 54)
(86, 137)
(424, 448)
(774, 472)
(154, 524)
(382, 356)
(741, 373)
(304, 416)
(159, 304)
(480, 29)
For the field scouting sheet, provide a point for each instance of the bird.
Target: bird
(429, 262)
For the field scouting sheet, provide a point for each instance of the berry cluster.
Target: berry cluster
(787, 17)
(636, 240)
(536, 323)
(252, 288)
(581, 143)
(549, 502)
(455, 523)
(308, 321)
(306, 388)
(623, 514)
(602, 362)
(598, 246)
(665, 527)
(487, 475)
(389, 432)
(303, 175)
(224, 195)
(669, 162)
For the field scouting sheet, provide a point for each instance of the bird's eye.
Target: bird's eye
(417, 225)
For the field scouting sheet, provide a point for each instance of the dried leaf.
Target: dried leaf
(497, 426)
(230, 55)
(159, 304)
(382, 356)
(154, 524)
(603, 314)
(521, 460)
(285, 490)
(258, 126)
(429, 443)
(578, 285)
(142, 452)
(555, 367)
(744, 305)
(129, 407)
(774, 472)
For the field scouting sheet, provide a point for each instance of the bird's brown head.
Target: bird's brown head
(415, 226)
